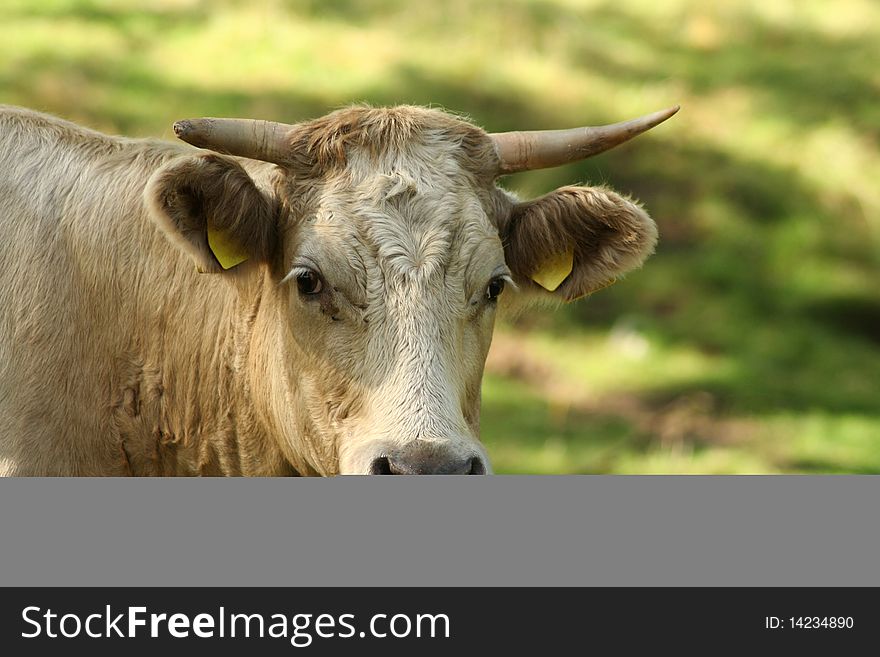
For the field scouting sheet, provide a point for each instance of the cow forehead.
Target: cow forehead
(405, 218)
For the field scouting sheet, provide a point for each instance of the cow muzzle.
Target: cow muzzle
(429, 459)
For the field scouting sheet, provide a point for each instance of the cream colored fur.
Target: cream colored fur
(117, 357)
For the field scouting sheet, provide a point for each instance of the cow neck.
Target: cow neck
(274, 388)
(187, 403)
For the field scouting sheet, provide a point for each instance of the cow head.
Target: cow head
(389, 248)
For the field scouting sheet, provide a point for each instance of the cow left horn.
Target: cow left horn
(258, 140)
(539, 149)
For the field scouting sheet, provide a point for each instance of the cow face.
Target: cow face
(389, 249)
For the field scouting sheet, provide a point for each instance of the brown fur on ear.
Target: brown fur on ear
(191, 192)
(610, 235)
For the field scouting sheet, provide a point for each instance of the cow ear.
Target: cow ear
(210, 207)
(576, 240)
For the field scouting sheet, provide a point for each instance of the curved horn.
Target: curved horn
(539, 149)
(259, 140)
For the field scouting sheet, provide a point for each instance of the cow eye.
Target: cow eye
(496, 287)
(309, 283)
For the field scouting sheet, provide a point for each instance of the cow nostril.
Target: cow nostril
(381, 466)
(417, 464)
(477, 466)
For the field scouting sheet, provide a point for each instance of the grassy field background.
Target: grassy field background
(750, 343)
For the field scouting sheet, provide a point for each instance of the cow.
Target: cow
(279, 300)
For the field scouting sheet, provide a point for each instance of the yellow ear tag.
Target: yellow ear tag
(227, 252)
(551, 274)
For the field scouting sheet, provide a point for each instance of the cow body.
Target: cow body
(116, 356)
(126, 350)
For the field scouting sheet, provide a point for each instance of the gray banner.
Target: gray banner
(442, 531)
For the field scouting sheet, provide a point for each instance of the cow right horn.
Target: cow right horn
(258, 140)
(539, 149)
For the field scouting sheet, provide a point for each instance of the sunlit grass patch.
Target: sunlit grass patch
(820, 442)
(529, 434)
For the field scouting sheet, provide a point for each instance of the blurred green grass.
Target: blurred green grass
(750, 342)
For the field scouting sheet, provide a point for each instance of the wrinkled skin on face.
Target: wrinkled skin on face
(393, 337)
